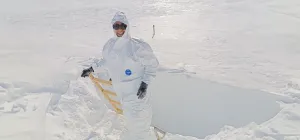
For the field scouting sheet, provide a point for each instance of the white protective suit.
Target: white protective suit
(130, 61)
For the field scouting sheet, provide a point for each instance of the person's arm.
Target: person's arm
(149, 61)
(98, 63)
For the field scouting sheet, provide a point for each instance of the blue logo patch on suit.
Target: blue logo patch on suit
(128, 72)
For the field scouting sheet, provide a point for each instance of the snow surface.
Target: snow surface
(229, 69)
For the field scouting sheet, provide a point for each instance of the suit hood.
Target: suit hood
(121, 17)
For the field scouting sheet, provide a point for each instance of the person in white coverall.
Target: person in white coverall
(131, 65)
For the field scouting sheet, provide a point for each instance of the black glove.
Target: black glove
(86, 72)
(142, 90)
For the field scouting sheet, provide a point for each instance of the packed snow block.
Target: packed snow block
(195, 107)
(81, 108)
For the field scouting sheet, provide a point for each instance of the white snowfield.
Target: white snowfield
(229, 68)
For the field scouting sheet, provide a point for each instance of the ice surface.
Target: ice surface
(202, 107)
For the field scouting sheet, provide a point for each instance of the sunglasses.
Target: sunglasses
(120, 26)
